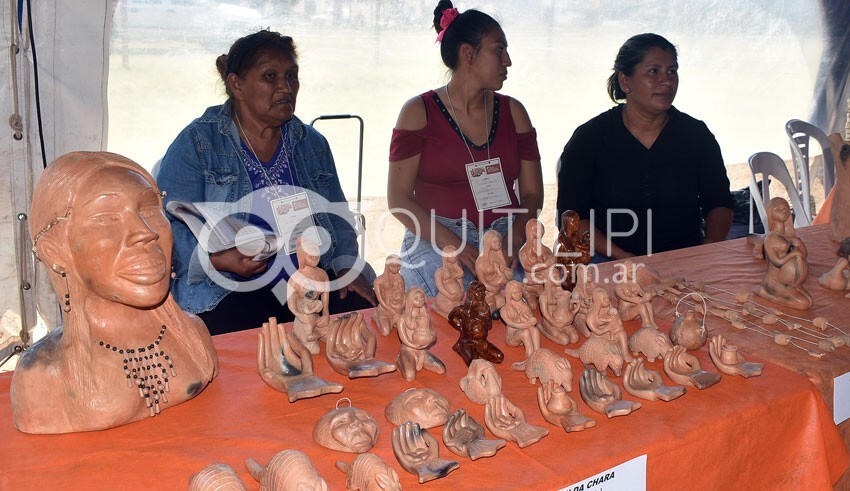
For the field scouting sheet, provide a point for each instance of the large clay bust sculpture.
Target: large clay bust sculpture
(492, 270)
(449, 281)
(473, 320)
(572, 249)
(536, 259)
(389, 289)
(307, 296)
(125, 350)
(787, 268)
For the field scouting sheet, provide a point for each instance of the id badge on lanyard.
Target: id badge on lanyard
(294, 218)
(488, 184)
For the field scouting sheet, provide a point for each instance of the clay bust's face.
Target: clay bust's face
(120, 240)
(354, 429)
(423, 406)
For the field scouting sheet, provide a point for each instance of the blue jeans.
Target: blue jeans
(421, 258)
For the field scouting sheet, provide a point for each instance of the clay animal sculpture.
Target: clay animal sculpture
(492, 270)
(545, 365)
(685, 369)
(369, 472)
(600, 352)
(449, 281)
(346, 429)
(481, 382)
(839, 211)
(416, 336)
(289, 470)
(642, 382)
(389, 290)
(786, 256)
(536, 259)
(472, 319)
(688, 331)
(649, 342)
(308, 296)
(466, 437)
(573, 247)
(507, 421)
(560, 409)
(419, 453)
(350, 348)
(729, 360)
(426, 407)
(216, 477)
(604, 396)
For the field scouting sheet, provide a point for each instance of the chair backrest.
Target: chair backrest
(768, 164)
(800, 134)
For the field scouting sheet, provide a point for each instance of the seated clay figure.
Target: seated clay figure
(419, 453)
(559, 409)
(647, 384)
(347, 429)
(216, 477)
(369, 472)
(520, 322)
(307, 296)
(481, 382)
(572, 248)
(465, 437)
(536, 259)
(604, 396)
(97, 221)
(289, 470)
(838, 278)
(604, 320)
(558, 309)
(286, 365)
(426, 407)
(507, 421)
(389, 289)
(449, 281)
(839, 210)
(729, 360)
(634, 301)
(787, 268)
(416, 336)
(582, 294)
(684, 369)
(492, 270)
(350, 348)
(472, 319)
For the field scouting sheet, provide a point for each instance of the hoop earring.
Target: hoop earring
(67, 307)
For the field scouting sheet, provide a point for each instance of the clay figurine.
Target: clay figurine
(536, 259)
(558, 309)
(369, 472)
(559, 409)
(604, 320)
(481, 382)
(572, 249)
(520, 322)
(685, 369)
(650, 342)
(449, 281)
(350, 348)
(97, 221)
(688, 331)
(839, 211)
(838, 278)
(545, 365)
(346, 429)
(425, 407)
(583, 295)
(600, 352)
(216, 477)
(416, 336)
(472, 319)
(289, 470)
(603, 395)
(729, 360)
(492, 270)
(308, 297)
(507, 421)
(465, 437)
(389, 290)
(419, 453)
(634, 301)
(647, 384)
(286, 365)
(787, 268)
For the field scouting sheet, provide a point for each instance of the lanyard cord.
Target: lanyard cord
(454, 115)
(287, 155)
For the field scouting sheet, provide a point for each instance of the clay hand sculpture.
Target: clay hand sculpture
(426, 407)
(520, 322)
(308, 296)
(97, 220)
(507, 421)
(369, 472)
(286, 365)
(572, 248)
(685, 369)
(350, 348)
(481, 382)
(289, 470)
(560, 409)
(729, 360)
(465, 437)
(449, 282)
(545, 365)
(787, 268)
(558, 309)
(216, 477)
(838, 278)
(839, 210)
(346, 429)
(604, 396)
(416, 336)
(536, 259)
(473, 320)
(647, 384)
(650, 342)
(419, 453)
(492, 270)
(634, 301)
(603, 320)
(600, 352)
(389, 289)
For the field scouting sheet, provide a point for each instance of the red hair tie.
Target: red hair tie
(449, 16)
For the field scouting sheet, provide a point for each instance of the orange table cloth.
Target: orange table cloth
(768, 432)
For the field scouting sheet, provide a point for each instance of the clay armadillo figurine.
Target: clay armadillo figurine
(649, 342)
(600, 352)
(544, 364)
(369, 473)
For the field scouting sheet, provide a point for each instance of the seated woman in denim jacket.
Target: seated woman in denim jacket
(253, 159)
(458, 151)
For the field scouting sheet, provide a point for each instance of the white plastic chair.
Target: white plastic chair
(768, 164)
(800, 134)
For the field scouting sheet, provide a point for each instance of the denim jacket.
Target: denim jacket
(204, 164)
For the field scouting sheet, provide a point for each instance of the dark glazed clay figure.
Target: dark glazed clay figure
(347, 429)
(125, 350)
(572, 249)
(473, 320)
(787, 268)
